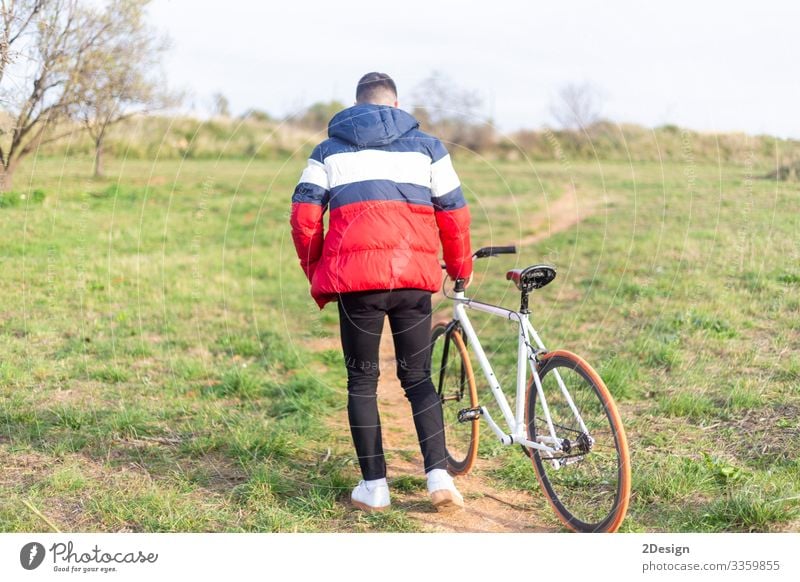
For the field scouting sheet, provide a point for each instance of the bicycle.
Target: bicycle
(564, 418)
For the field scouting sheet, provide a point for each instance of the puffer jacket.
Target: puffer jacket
(393, 196)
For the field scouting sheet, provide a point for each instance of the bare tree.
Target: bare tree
(452, 112)
(16, 17)
(577, 106)
(121, 78)
(442, 100)
(222, 107)
(40, 85)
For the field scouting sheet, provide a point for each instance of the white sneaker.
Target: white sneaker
(371, 495)
(443, 492)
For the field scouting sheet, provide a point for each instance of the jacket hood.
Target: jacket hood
(367, 125)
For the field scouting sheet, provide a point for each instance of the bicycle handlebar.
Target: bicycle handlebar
(480, 254)
(490, 252)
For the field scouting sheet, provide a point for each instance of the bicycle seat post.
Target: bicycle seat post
(523, 303)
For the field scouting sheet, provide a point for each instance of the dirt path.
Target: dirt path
(488, 509)
(566, 212)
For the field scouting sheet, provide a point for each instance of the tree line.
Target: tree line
(458, 115)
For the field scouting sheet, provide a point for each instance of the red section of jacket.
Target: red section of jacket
(307, 234)
(378, 245)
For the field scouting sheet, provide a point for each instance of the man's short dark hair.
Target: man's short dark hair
(372, 86)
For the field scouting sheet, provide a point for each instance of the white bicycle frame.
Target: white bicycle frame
(517, 431)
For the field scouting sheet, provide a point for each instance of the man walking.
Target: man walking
(393, 196)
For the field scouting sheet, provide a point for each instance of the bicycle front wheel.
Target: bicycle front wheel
(451, 373)
(587, 482)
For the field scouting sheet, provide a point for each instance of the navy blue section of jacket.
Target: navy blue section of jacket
(383, 128)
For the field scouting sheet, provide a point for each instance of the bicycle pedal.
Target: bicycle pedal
(469, 414)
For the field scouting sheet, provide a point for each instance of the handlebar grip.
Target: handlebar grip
(492, 251)
(506, 250)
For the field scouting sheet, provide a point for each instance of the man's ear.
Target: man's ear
(396, 103)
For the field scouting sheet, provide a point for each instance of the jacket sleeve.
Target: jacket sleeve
(309, 202)
(452, 214)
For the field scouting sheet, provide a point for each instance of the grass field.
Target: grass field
(161, 365)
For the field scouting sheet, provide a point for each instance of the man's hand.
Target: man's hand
(466, 282)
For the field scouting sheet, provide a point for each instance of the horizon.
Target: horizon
(650, 72)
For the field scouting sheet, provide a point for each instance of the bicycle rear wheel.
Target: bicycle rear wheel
(451, 373)
(587, 483)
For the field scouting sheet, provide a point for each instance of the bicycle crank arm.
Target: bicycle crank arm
(456, 397)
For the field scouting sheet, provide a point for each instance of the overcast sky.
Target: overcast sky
(704, 65)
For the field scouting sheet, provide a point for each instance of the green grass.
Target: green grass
(408, 483)
(165, 370)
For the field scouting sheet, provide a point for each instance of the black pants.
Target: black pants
(361, 318)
